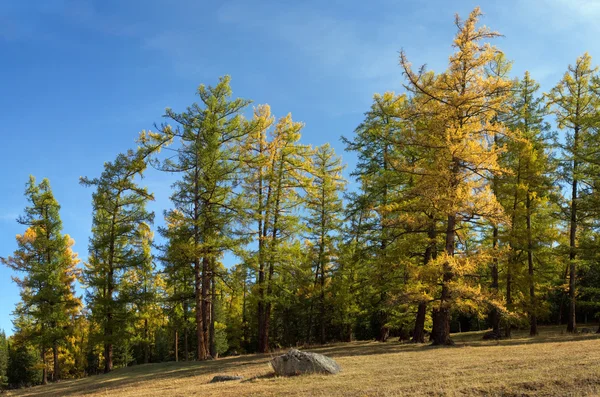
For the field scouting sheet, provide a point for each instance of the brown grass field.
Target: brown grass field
(552, 364)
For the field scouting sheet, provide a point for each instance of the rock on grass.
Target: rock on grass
(296, 362)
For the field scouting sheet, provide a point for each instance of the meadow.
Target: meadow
(551, 364)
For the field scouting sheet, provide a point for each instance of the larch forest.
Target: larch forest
(473, 205)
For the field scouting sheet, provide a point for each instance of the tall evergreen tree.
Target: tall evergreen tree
(527, 156)
(119, 210)
(45, 257)
(323, 221)
(275, 173)
(209, 134)
(373, 145)
(3, 360)
(575, 103)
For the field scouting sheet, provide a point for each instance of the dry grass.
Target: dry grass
(552, 364)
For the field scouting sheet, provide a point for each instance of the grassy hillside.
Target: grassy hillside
(551, 364)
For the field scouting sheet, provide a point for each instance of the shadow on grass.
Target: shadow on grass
(127, 377)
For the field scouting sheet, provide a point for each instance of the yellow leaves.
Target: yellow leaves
(28, 237)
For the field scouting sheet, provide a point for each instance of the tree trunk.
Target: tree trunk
(571, 325)
(507, 331)
(494, 314)
(45, 367)
(56, 372)
(532, 304)
(176, 346)
(213, 345)
(108, 329)
(322, 299)
(245, 330)
(430, 253)
(206, 302)
(186, 351)
(146, 343)
(201, 346)
(440, 334)
(383, 331)
(419, 331)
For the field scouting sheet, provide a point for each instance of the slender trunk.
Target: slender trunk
(186, 351)
(146, 343)
(108, 329)
(322, 261)
(246, 337)
(310, 311)
(263, 212)
(206, 301)
(430, 253)
(56, 372)
(494, 314)
(512, 257)
(45, 367)
(532, 304)
(322, 304)
(201, 346)
(382, 315)
(571, 325)
(213, 346)
(199, 273)
(264, 343)
(440, 333)
(176, 346)
(507, 331)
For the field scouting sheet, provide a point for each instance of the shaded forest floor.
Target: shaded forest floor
(552, 364)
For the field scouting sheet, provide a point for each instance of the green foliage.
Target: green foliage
(119, 244)
(24, 367)
(4, 352)
(44, 256)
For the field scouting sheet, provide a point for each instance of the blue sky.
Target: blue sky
(80, 78)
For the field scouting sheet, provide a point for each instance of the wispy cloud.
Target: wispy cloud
(8, 216)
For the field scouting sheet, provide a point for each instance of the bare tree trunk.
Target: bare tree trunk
(572, 324)
(201, 347)
(494, 314)
(213, 346)
(45, 367)
(440, 334)
(186, 351)
(206, 303)
(56, 371)
(430, 253)
(146, 343)
(419, 331)
(532, 303)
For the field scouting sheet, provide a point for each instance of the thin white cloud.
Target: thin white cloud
(8, 216)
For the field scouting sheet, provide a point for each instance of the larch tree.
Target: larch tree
(324, 208)
(3, 361)
(575, 103)
(207, 158)
(275, 172)
(177, 255)
(527, 157)
(49, 265)
(461, 103)
(119, 210)
(373, 145)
